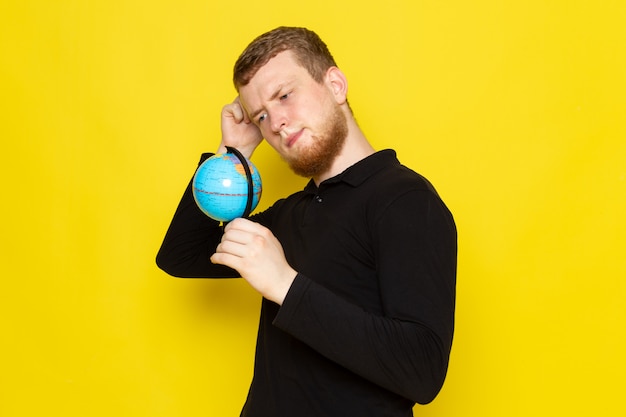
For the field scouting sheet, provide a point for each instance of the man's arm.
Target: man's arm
(190, 240)
(406, 348)
(192, 236)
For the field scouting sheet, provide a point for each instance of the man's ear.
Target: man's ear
(338, 84)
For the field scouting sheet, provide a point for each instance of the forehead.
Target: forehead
(279, 71)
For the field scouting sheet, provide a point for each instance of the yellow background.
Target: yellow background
(514, 110)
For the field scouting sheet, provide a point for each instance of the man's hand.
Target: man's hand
(238, 131)
(258, 256)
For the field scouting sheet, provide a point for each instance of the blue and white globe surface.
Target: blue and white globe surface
(220, 187)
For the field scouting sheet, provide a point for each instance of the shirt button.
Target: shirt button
(318, 198)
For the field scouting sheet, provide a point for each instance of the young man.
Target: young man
(357, 271)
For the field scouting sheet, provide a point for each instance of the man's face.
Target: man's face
(299, 118)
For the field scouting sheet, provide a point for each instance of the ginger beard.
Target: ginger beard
(320, 155)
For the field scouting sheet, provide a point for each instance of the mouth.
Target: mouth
(293, 138)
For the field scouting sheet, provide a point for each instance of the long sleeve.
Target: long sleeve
(406, 347)
(190, 240)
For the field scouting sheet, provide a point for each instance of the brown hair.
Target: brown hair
(309, 50)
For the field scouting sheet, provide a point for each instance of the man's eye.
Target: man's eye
(262, 117)
(284, 96)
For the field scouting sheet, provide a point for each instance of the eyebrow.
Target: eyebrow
(276, 93)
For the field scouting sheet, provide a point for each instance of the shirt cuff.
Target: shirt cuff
(288, 309)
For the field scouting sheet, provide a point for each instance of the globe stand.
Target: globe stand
(246, 167)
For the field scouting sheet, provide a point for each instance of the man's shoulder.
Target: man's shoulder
(397, 177)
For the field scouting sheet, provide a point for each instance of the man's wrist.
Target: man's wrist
(283, 288)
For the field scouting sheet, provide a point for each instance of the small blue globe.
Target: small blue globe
(220, 187)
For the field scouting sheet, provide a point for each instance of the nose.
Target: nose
(278, 121)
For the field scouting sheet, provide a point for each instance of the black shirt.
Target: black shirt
(366, 328)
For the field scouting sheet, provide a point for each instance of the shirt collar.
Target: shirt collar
(359, 172)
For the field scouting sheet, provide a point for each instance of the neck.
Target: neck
(355, 148)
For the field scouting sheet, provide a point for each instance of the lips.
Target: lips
(293, 138)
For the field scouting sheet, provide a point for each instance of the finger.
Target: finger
(244, 113)
(231, 248)
(239, 237)
(244, 225)
(237, 112)
(230, 254)
(233, 111)
(224, 259)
